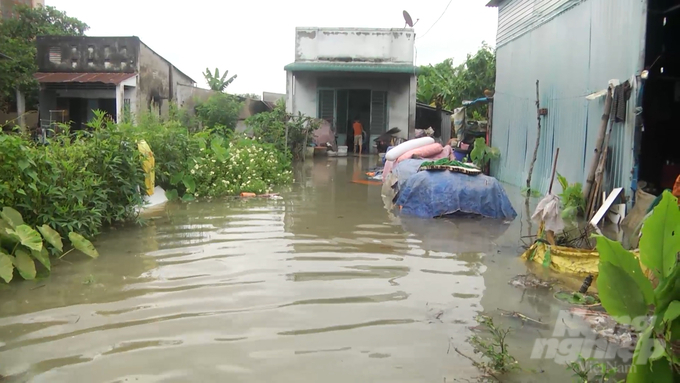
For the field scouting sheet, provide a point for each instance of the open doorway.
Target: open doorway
(659, 136)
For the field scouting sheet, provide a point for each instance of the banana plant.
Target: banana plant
(21, 245)
(630, 297)
(217, 83)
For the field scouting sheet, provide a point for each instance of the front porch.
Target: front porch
(72, 98)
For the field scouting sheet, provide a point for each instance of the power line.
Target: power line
(435, 23)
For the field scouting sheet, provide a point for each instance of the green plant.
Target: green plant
(627, 294)
(220, 112)
(446, 86)
(287, 132)
(589, 370)
(576, 298)
(572, 199)
(217, 83)
(21, 245)
(482, 154)
(530, 192)
(494, 349)
(17, 41)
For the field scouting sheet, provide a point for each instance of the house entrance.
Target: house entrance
(342, 106)
(657, 134)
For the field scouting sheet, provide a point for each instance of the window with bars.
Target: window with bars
(378, 112)
(327, 105)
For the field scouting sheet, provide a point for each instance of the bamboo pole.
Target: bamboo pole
(538, 140)
(587, 188)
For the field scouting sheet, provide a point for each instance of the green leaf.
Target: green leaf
(171, 194)
(672, 312)
(176, 178)
(43, 257)
(82, 244)
(27, 237)
(23, 164)
(612, 252)
(52, 237)
(657, 371)
(188, 197)
(11, 216)
(660, 241)
(25, 265)
(189, 183)
(619, 293)
(6, 266)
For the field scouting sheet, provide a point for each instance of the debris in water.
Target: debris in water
(523, 318)
(606, 327)
(531, 281)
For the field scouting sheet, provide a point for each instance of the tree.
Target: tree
(217, 83)
(17, 40)
(219, 112)
(446, 86)
(251, 96)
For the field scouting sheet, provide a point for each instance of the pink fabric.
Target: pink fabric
(387, 169)
(446, 153)
(423, 151)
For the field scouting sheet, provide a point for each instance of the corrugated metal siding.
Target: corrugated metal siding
(517, 17)
(572, 55)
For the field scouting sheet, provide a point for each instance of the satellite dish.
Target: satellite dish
(409, 20)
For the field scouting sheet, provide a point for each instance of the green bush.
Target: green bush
(270, 128)
(220, 112)
(77, 182)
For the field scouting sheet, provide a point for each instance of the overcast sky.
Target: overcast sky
(255, 38)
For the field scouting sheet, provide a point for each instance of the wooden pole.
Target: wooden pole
(598, 146)
(552, 177)
(538, 139)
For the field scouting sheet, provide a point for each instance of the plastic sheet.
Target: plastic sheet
(430, 194)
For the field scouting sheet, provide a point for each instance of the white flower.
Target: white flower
(202, 149)
(193, 171)
(196, 194)
(212, 173)
(213, 161)
(196, 166)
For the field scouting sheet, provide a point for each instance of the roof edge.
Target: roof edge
(494, 3)
(357, 67)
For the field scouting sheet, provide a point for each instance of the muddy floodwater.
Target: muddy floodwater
(322, 285)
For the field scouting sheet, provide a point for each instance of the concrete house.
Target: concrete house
(116, 74)
(340, 74)
(574, 48)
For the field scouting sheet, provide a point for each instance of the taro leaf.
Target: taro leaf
(11, 216)
(660, 241)
(176, 178)
(672, 312)
(6, 266)
(82, 244)
(624, 291)
(43, 257)
(612, 252)
(171, 194)
(642, 371)
(189, 183)
(24, 263)
(188, 197)
(3, 233)
(52, 237)
(27, 237)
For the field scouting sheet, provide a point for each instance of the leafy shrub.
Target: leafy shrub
(482, 153)
(629, 296)
(270, 128)
(571, 197)
(75, 183)
(21, 245)
(220, 112)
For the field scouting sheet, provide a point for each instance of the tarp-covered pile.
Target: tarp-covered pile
(429, 194)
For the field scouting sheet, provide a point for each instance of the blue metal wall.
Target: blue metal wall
(574, 52)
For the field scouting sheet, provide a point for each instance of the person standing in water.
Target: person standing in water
(358, 137)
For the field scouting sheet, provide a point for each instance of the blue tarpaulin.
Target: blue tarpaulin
(429, 194)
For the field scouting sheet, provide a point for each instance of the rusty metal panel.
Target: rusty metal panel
(105, 78)
(573, 54)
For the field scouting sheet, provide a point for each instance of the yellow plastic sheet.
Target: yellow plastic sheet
(569, 260)
(148, 166)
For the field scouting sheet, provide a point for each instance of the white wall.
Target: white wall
(368, 45)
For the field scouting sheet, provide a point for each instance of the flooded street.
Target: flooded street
(322, 285)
